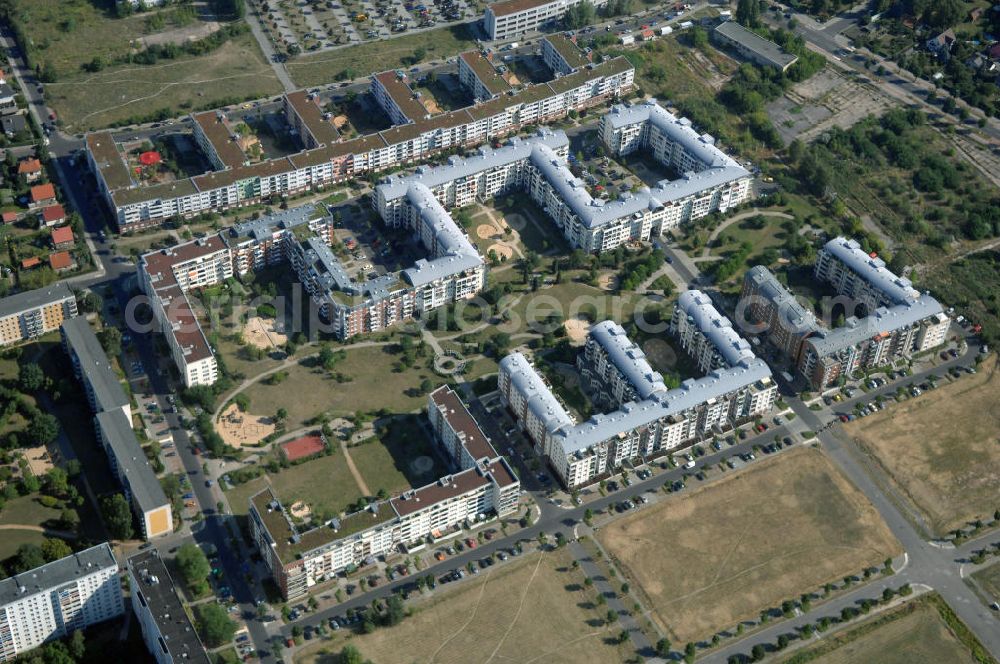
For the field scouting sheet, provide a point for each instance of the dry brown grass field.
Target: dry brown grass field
(914, 632)
(942, 449)
(723, 553)
(535, 609)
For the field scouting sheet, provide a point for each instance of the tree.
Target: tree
(43, 428)
(30, 377)
(111, 341)
(193, 564)
(117, 516)
(77, 645)
(394, 611)
(351, 655)
(54, 548)
(28, 557)
(69, 519)
(214, 624)
(579, 15)
(748, 13)
(56, 481)
(757, 653)
(663, 647)
(699, 38)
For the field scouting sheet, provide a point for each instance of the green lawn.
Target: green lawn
(12, 539)
(387, 462)
(27, 511)
(310, 391)
(376, 56)
(234, 71)
(324, 483)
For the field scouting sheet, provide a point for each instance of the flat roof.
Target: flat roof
(262, 169)
(178, 636)
(881, 321)
(166, 190)
(159, 264)
(444, 488)
(110, 162)
(94, 364)
(308, 110)
(33, 299)
(57, 573)
(714, 326)
(872, 270)
(751, 41)
(395, 84)
(213, 125)
(567, 50)
(289, 543)
(462, 421)
(132, 462)
(628, 358)
(507, 7)
(485, 72)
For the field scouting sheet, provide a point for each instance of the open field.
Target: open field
(400, 458)
(308, 391)
(941, 449)
(324, 484)
(236, 70)
(538, 610)
(914, 632)
(375, 56)
(27, 511)
(710, 559)
(12, 539)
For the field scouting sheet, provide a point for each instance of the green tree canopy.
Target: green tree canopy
(117, 516)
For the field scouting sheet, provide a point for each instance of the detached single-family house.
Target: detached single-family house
(61, 260)
(13, 125)
(51, 215)
(941, 43)
(31, 169)
(10, 217)
(43, 194)
(62, 237)
(8, 100)
(29, 263)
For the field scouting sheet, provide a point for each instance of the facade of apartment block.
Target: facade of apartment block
(31, 314)
(52, 601)
(482, 485)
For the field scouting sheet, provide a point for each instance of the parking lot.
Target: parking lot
(299, 26)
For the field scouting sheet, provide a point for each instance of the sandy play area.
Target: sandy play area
(238, 428)
(576, 330)
(502, 251)
(607, 282)
(299, 510)
(486, 231)
(38, 460)
(260, 332)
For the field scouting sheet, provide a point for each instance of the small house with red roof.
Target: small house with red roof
(52, 215)
(61, 260)
(43, 194)
(29, 263)
(31, 169)
(10, 217)
(62, 237)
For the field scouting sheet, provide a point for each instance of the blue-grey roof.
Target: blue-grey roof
(131, 460)
(485, 158)
(881, 321)
(634, 415)
(717, 328)
(628, 358)
(872, 269)
(264, 227)
(57, 573)
(33, 299)
(330, 271)
(453, 252)
(94, 364)
(790, 312)
(540, 399)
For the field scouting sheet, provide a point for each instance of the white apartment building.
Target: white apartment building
(709, 179)
(480, 76)
(861, 276)
(483, 485)
(614, 370)
(705, 334)
(581, 453)
(169, 635)
(330, 159)
(54, 600)
(31, 314)
(561, 54)
(509, 19)
(165, 276)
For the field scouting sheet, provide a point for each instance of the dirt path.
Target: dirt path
(358, 479)
(63, 534)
